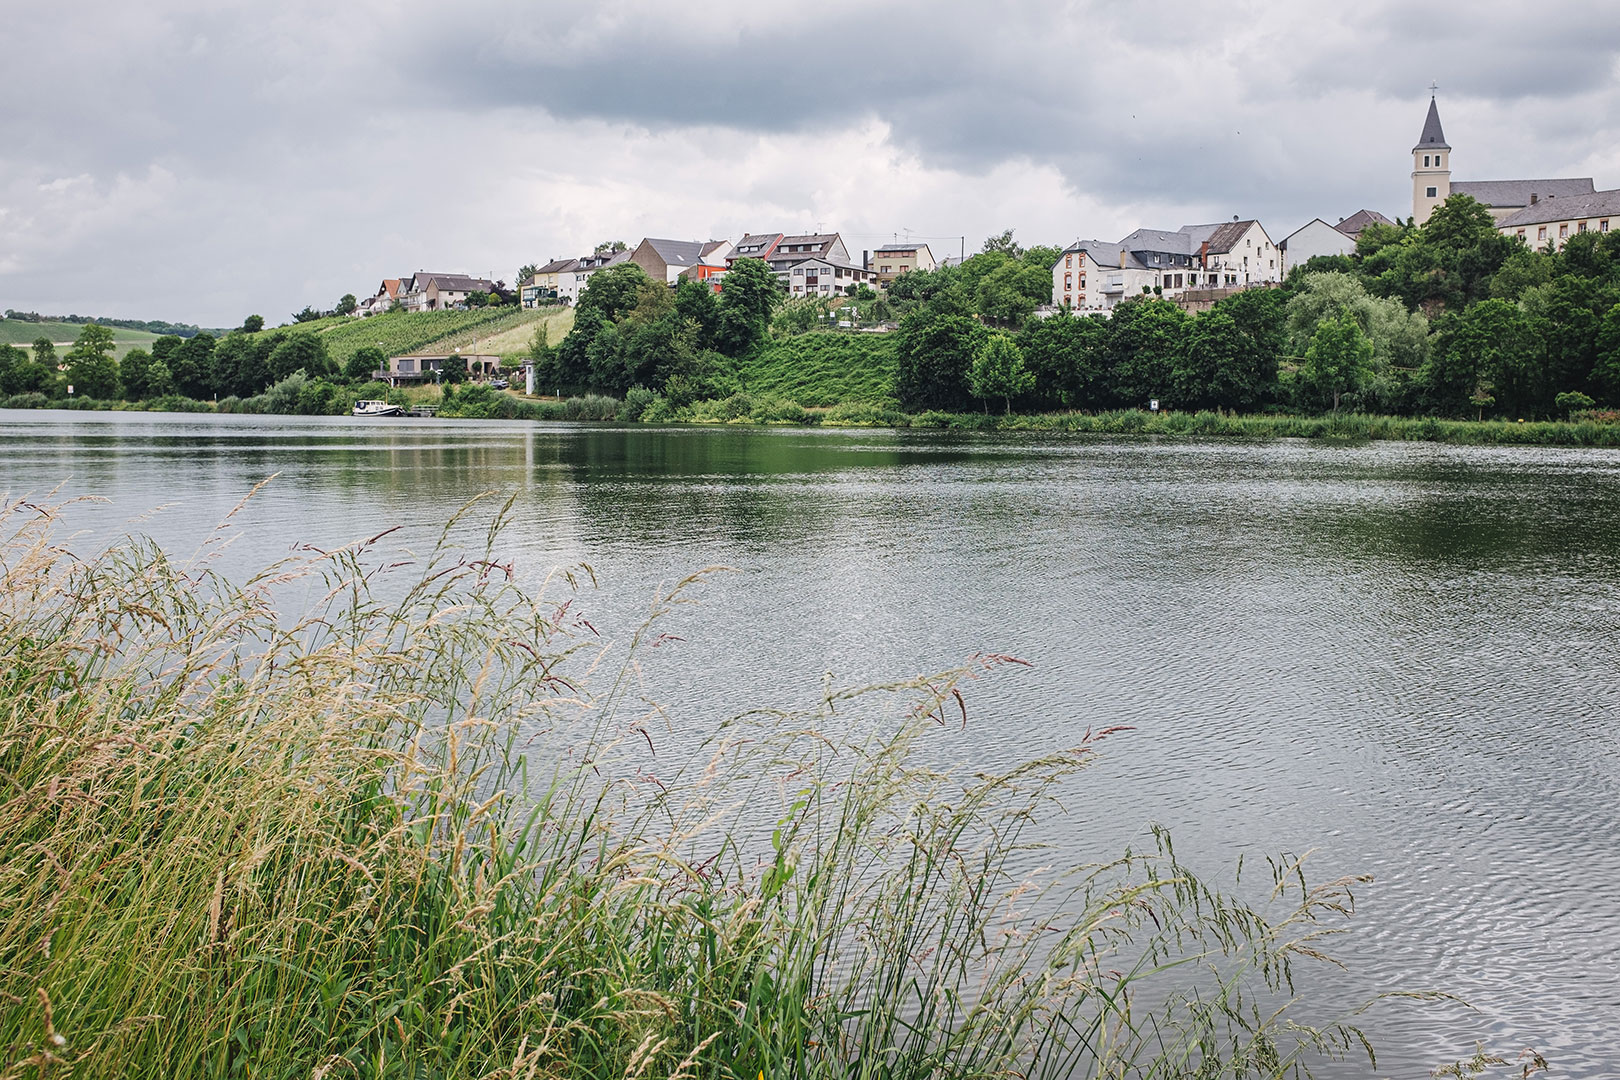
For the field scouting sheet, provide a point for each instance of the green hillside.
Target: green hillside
(822, 369)
(62, 335)
(480, 329)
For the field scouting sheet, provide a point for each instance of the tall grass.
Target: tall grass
(421, 837)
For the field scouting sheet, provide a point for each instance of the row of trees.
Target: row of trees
(241, 364)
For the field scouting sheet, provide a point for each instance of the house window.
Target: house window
(1521, 234)
(1068, 282)
(1563, 231)
(1603, 226)
(1068, 262)
(1434, 193)
(1425, 161)
(1082, 281)
(798, 271)
(1581, 227)
(1541, 233)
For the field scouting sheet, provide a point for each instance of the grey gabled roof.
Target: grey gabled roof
(1103, 253)
(676, 252)
(1432, 138)
(1509, 193)
(456, 282)
(1160, 240)
(556, 265)
(1352, 225)
(1598, 204)
(764, 241)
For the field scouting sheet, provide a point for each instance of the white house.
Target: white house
(423, 291)
(1091, 275)
(1314, 238)
(571, 282)
(823, 277)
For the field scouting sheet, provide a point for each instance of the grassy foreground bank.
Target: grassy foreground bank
(419, 839)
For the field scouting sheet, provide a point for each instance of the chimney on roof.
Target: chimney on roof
(1234, 217)
(1534, 198)
(1122, 258)
(866, 260)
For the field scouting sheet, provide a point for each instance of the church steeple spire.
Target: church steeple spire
(1431, 166)
(1432, 138)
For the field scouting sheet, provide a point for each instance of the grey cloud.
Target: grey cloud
(302, 127)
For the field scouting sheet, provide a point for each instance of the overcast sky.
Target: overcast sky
(202, 160)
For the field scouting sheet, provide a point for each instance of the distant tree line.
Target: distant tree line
(202, 367)
(154, 326)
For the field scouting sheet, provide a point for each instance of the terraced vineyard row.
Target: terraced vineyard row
(406, 332)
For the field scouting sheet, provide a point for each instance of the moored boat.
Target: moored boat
(376, 408)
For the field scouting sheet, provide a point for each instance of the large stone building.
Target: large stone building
(1432, 183)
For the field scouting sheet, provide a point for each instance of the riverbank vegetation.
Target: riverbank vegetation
(1424, 330)
(422, 836)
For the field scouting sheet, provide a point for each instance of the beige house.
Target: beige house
(1555, 219)
(543, 283)
(892, 260)
(410, 370)
(1432, 183)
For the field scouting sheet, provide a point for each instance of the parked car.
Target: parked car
(499, 384)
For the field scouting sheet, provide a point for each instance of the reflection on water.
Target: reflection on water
(1403, 657)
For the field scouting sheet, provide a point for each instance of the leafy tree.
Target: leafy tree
(159, 381)
(1338, 360)
(366, 361)
(309, 314)
(934, 352)
(613, 290)
(21, 373)
(253, 324)
(134, 375)
(697, 304)
(45, 352)
(610, 247)
(1222, 366)
(1571, 402)
(1606, 369)
(749, 293)
(476, 299)
(1400, 337)
(91, 367)
(191, 364)
(241, 363)
(301, 351)
(527, 271)
(1003, 244)
(1065, 353)
(1145, 339)
(346, 304)
(998, 371)
(1486, 344)
(1565, 316)
(454, 369)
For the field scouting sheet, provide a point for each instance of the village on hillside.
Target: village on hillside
(1192, 266)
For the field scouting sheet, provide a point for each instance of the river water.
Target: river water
(1401, 656)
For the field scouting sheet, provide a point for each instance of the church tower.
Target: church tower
(1431, 167)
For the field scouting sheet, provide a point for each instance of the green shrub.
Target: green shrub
(636, 401)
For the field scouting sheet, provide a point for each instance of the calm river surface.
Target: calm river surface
(1402, 656)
